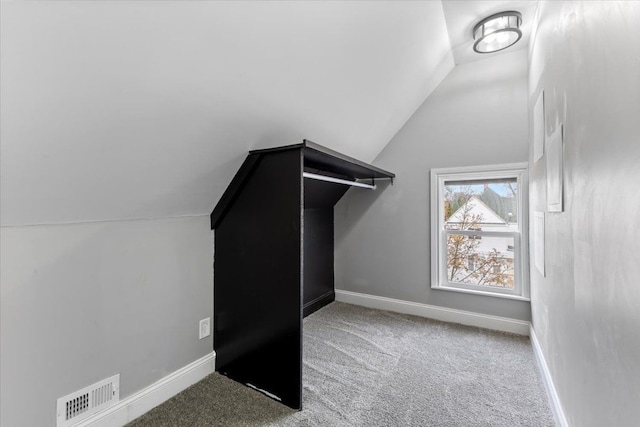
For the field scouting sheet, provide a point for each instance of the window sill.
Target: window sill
(483, 293)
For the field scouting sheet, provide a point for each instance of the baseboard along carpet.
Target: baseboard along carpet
(367, 367)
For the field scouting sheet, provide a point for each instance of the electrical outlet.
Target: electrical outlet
(205, 327)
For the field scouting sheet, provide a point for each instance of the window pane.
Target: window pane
(488, 205)
(484, 262)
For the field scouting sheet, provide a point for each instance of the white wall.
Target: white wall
(478, 115)
(138, 109)
(586, 311)
(82, 302)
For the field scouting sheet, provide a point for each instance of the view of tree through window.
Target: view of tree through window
(486, 207)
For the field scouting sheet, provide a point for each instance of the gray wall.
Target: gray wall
(586, 311)
(477, 116)
(82, 302)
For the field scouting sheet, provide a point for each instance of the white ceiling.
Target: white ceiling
(461, 16)
(115, 110)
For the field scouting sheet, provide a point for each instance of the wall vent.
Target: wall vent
(81, 404)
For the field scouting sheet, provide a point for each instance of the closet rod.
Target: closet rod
(337, 180)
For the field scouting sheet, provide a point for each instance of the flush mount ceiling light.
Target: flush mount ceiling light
(497, 32)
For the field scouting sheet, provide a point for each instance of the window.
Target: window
(479, 230)
(471, 264)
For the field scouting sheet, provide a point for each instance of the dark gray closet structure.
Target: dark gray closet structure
(274, 260)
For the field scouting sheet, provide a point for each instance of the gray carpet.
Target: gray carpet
(365, 367)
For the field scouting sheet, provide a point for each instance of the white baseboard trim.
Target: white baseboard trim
(148, 398)
(554, 399)
(444, 314)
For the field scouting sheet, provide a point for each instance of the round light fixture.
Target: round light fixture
(497, 32)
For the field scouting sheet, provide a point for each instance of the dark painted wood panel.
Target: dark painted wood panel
(258, 289)
(322, 158)
(318, 303)
(233, 189)
(318, 254)
(274, 261)
(322, 194)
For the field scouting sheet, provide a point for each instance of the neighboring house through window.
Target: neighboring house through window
(479, 229)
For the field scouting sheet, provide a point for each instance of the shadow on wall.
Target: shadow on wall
(351, 208)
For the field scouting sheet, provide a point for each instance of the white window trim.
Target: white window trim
(521, 263)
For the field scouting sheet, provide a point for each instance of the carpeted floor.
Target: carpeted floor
(365, 367)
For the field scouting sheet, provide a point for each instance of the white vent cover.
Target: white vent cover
(81, 404)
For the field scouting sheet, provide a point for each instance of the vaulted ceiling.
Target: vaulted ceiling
(114, 110)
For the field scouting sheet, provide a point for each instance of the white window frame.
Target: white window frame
(439, 278)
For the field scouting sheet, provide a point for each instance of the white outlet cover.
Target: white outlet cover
(205, 327)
